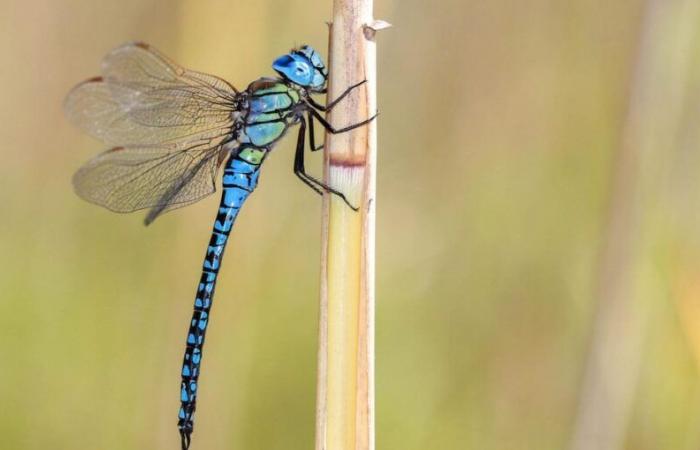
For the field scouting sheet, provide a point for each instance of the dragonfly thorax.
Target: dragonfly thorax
(271, 108)
(266, 109)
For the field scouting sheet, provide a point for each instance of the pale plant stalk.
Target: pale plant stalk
(345, 388)
(627, 279)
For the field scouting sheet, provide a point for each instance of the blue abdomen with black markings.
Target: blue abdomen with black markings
(268, 113)
(240, 179)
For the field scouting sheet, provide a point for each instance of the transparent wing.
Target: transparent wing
(143, 98)
(91, 106)
(158, 92)
(126, 179)
(169, 126)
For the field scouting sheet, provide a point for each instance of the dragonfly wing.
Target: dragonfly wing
(146, 99)
(141, 63)
(91, 107)
(169, 126)
(157, 92)
(126, 179)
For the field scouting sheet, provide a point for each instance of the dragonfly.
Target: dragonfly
(171, 129)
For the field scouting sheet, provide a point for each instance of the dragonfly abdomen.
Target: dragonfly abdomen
(239, 180)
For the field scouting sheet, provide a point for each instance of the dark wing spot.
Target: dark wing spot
(262, 83)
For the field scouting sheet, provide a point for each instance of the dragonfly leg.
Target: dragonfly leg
(300, 171)
(330, 105)
(331, 129)
(327, 107)
(312, 136)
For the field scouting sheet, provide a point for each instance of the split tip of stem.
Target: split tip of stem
(370, 29)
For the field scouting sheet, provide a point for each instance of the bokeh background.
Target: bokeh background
(538, 281)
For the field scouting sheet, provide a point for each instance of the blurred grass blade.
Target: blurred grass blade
(627, 280)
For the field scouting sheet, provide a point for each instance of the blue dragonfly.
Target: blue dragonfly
(171, 129)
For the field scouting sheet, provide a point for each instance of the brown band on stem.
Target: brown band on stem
(352, 160)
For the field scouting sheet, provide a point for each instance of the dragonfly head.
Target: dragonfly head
(303, 66)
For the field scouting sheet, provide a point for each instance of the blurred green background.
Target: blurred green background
(538, 198)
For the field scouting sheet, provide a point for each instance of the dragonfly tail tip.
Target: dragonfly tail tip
(185, 439)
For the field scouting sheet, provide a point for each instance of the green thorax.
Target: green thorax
(270, 104)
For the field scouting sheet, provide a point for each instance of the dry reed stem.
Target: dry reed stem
(345, 388)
